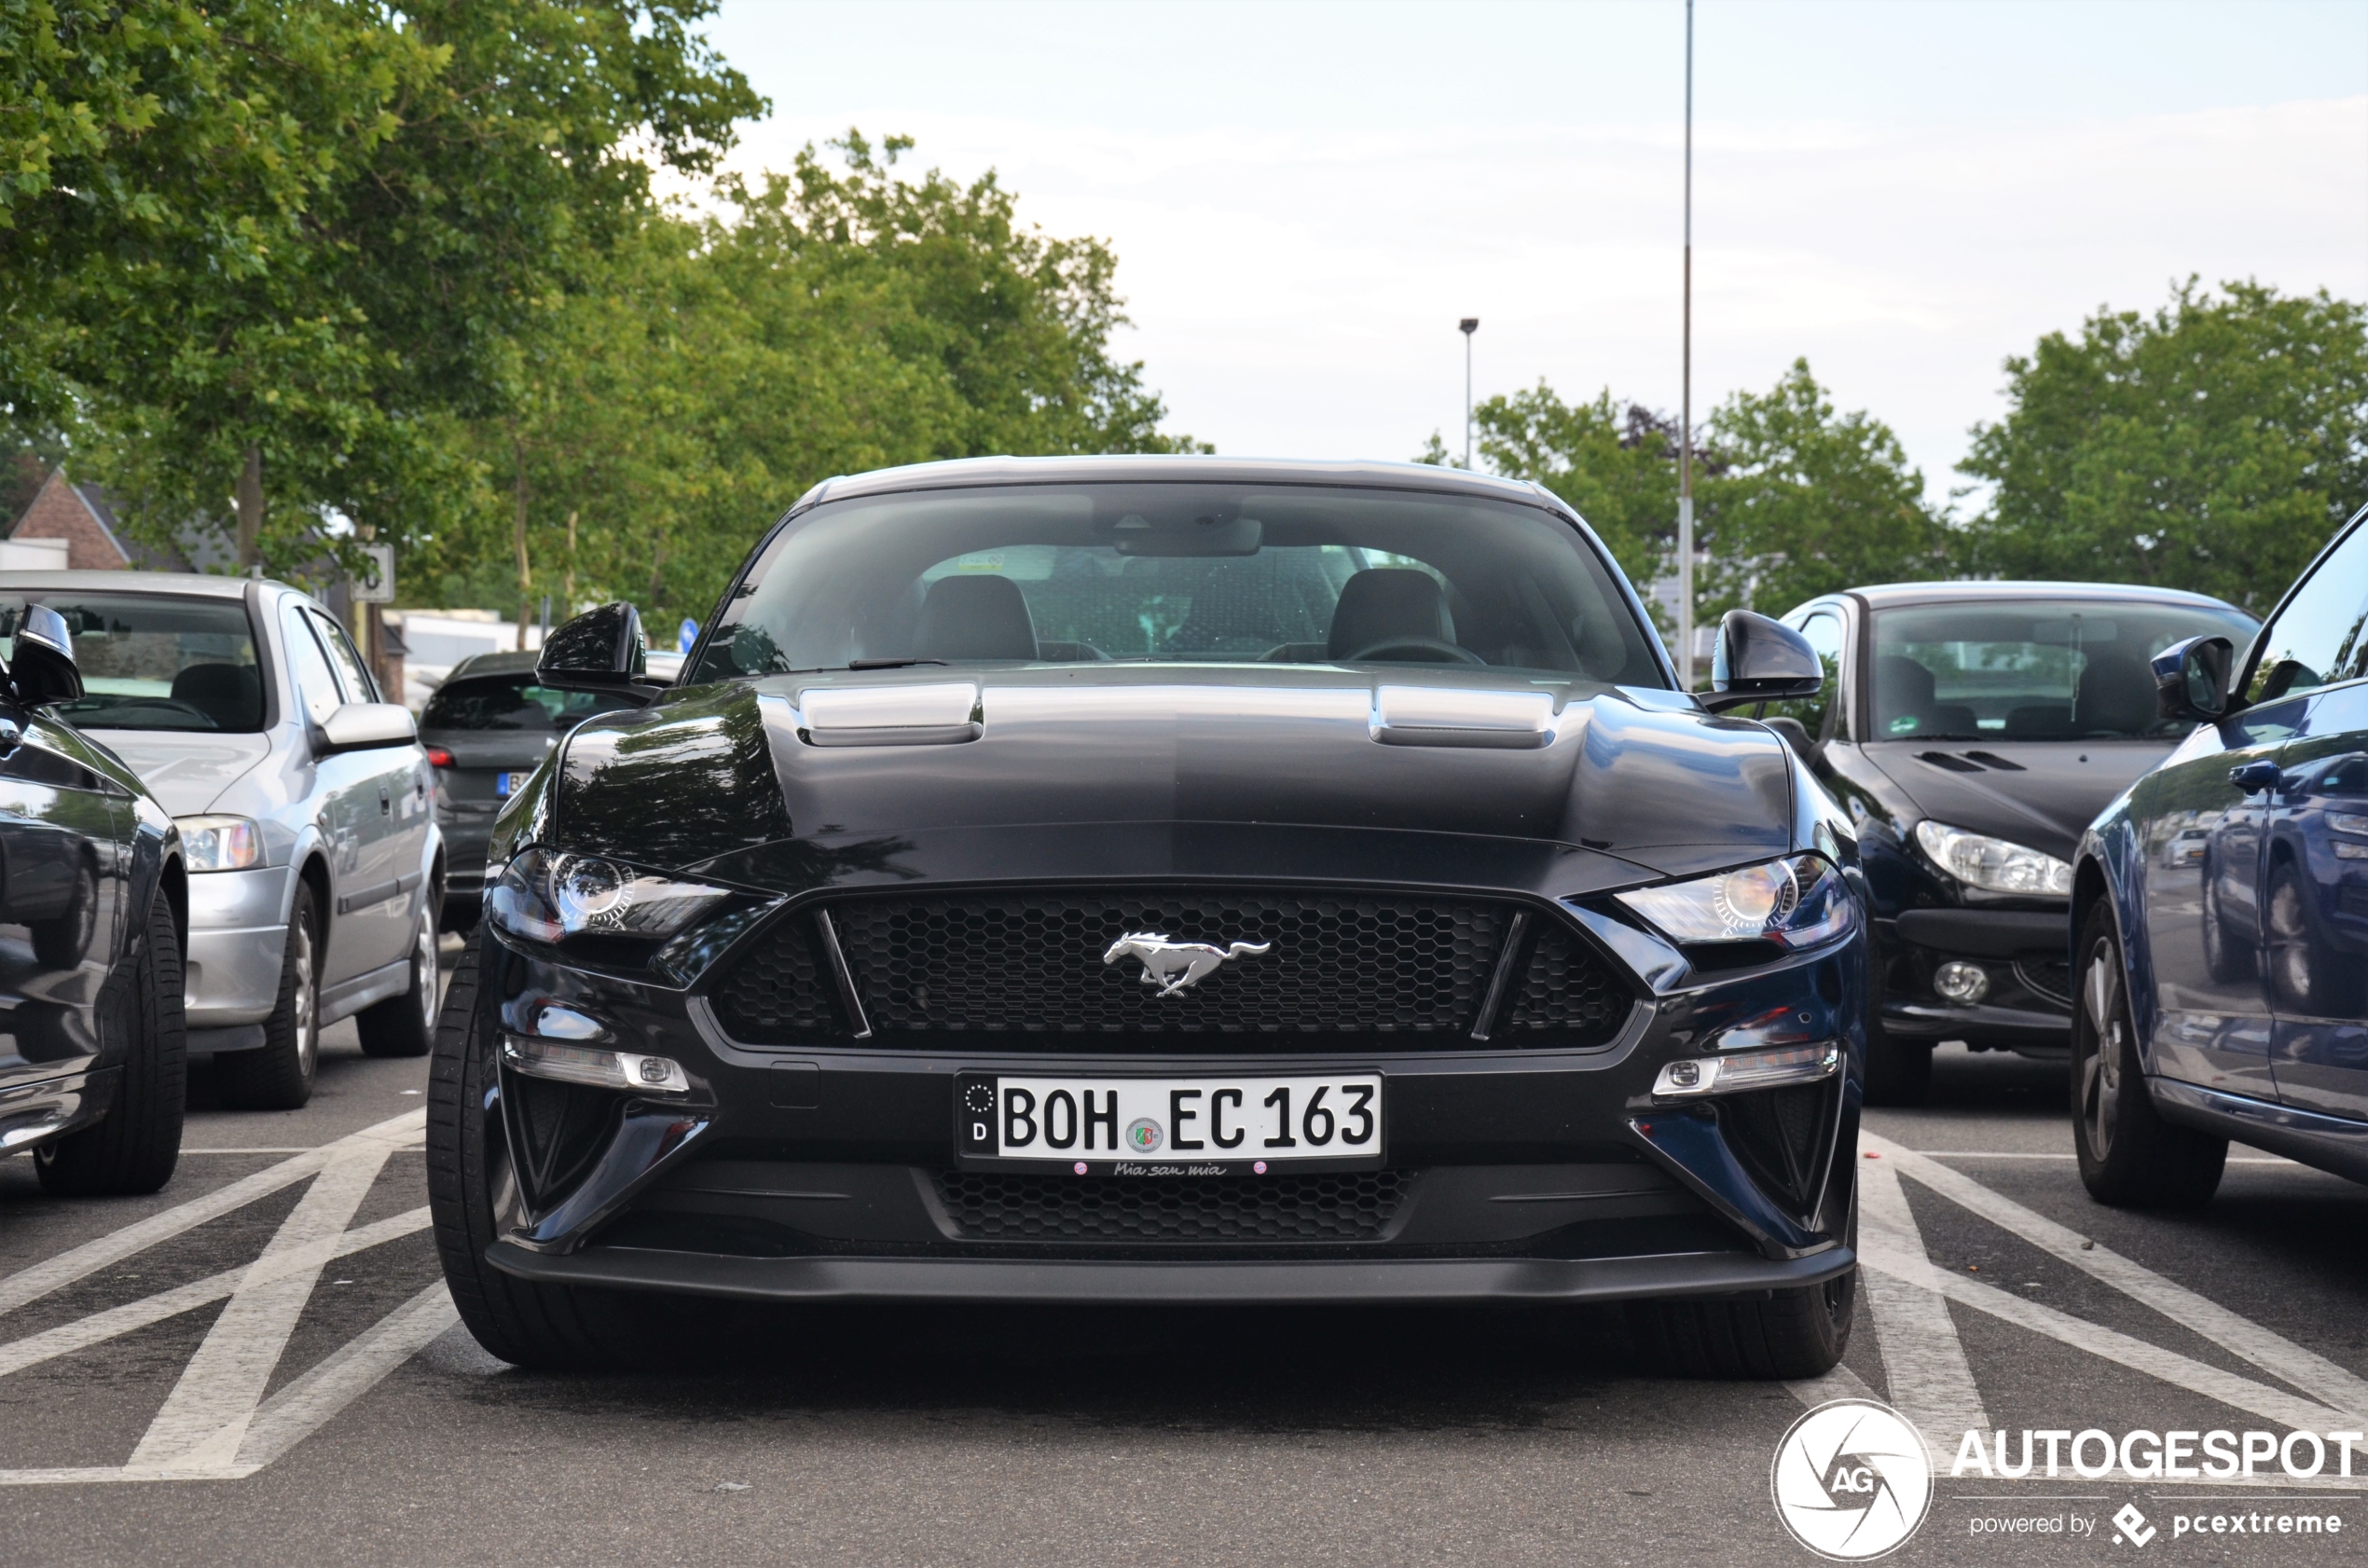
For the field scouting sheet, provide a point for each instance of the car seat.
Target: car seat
(968, 619)
(229, 695)
(1382, 603)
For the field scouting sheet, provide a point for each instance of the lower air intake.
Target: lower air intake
(993, 1206)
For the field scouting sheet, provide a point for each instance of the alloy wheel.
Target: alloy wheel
(2101, 1068)
(307, 1002)
(425, 971)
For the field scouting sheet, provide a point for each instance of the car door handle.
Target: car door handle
(2262, 775)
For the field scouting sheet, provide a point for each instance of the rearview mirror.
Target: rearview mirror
(2190, 679)
(1760, 660)
(359, 726)
(601, 650)
(41, 666)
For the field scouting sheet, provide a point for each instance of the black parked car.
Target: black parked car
(1158, 879)
(94, 907)
(2221, 908)
(487, 728)
(1972, 730)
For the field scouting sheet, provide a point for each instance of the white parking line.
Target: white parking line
(2264, 1348)
(1924, 1358)
(299, 1409)
(54, 1273)
(205, 1418)
(99, 1328)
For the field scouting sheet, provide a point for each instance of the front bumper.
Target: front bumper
(2021, 953)
(822, 1173)
(237, 939)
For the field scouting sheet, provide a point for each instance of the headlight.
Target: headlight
(1798, 902)
(220, 842)
(549, 896)
(1993, 865)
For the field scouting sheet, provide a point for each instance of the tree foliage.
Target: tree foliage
(2212, 445)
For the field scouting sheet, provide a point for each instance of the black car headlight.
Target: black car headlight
(1798, 902)
(550, 897)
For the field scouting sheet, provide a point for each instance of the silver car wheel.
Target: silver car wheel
(306, 1001)
(2100, 1070)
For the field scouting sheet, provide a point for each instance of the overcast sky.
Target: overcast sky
(1304, 199)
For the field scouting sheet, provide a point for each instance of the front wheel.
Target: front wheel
(279, 1076)
(405, 1025)
(1783, 1335)
(135, 1147)
(2129, 1156)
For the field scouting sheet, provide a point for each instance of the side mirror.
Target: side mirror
(601, 650)
(2190, 679)
(1760, 660)
(42, 667)
(358, 726)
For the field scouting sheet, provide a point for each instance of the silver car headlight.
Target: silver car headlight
(549, 896)
(1798, 902)
(219, 842)
(1996, 865)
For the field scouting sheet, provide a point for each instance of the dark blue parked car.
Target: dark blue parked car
(2221, 908)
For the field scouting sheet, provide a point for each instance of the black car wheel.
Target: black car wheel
(545, 1327)
(2129, 1156)
(1782, 1335)
(2307, 975)
(135, 1147)
(278, 1077)
(405, 1025)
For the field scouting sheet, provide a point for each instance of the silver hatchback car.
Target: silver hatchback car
(306, 807)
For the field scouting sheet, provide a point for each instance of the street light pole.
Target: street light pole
(1686, 401)
(1469, 325)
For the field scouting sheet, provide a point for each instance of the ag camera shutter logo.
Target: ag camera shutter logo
(1852, 1480)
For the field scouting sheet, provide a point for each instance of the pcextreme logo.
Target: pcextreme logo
(1852, 1480)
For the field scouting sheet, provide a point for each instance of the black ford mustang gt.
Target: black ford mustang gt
(1165, 880)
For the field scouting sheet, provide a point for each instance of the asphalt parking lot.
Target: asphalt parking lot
(163, 1398)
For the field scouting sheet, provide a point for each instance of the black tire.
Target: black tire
(278, 1077)
(2307, 977)
(545, 1327)
(405, 1025)
(2129, 1156)
(1899, 1072)
(134, 1147)
(1785, 1334)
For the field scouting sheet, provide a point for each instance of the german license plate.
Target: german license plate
(502, 784)
(1168, 1126)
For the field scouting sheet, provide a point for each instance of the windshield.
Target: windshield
(513, 702)
(1180, 574)
(156, 663)
(2033, 670)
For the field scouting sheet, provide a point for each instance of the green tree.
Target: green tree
(1804, 501)
(2212, 445)
(1616, 464)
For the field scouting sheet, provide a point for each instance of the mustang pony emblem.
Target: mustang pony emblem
(1173, 966)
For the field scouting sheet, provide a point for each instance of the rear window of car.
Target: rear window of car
(512, 702)
(2031, 671)
(151, 662)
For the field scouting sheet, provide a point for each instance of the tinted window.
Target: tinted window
(2029, 670)
(512, 702)
(156, 663)
(1178, 573)
(2321, 635)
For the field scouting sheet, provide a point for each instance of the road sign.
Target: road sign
(686, 636)
(375, 583)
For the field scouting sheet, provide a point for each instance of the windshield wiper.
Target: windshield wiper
(890, 664)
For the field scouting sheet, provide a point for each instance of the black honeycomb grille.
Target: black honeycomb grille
(780, 990)
(1565, 988)
(1033, 963)
(1001, 1207)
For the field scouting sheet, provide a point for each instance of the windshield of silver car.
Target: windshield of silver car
(1169, 573)
(156, 663)
(2031, 670)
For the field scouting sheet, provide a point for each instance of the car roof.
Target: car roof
(1170, 469)
(1885, 596)
(187, 584)
(510, 662)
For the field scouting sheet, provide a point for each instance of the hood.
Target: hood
(186, 772)
(1428, 775)
(2042, 794)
